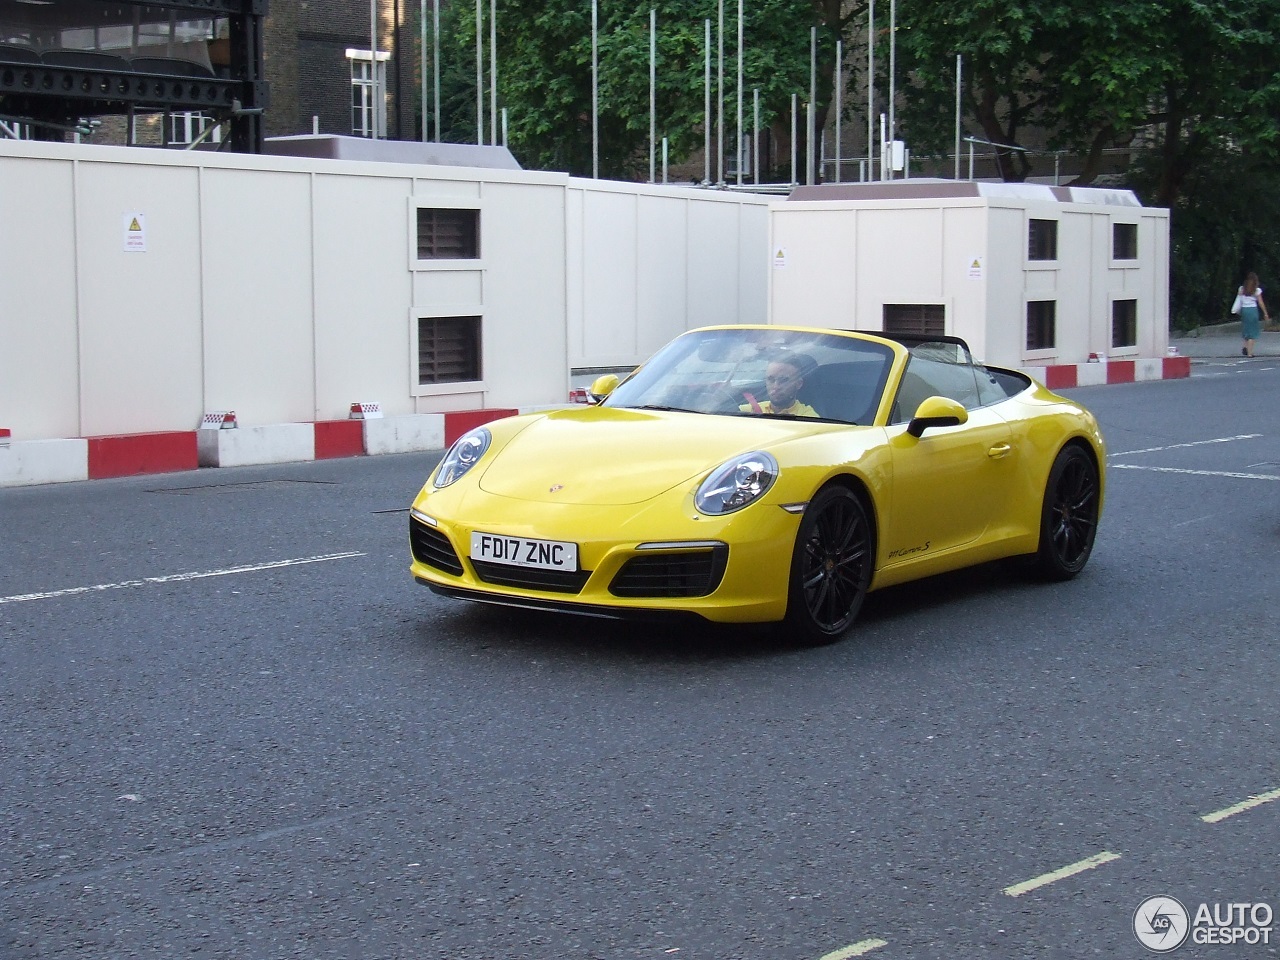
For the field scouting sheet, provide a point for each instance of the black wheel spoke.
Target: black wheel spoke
(1070, 514)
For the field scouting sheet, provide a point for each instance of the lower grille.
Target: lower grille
(689, 573)
(531, 578)
(432, 548)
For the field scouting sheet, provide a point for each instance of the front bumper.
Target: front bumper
(727, 570)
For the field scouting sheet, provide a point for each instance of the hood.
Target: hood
(602, 456)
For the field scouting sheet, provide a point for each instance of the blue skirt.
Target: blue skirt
(1250, 327)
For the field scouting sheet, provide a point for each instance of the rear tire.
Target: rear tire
(830, 567)
(1069, 516)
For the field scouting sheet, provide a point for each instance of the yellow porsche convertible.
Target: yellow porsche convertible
(764, 474)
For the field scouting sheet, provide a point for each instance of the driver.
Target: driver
(783, 380)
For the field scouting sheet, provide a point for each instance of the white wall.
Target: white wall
(287, 288)
(837, 263)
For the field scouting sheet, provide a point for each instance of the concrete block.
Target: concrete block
(1150, 369)
(408, 434)
(243, 446)
(1091, 374)
(27, 462)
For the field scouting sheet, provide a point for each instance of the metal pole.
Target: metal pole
(970, 159)
(373, 69)
(737, 141)
(839, 100)
(871, 88)
(422, 50)
(958, 70)
(720, 99)
(809, 132)
(793, 140)
(493, 71)
(479, 74)
(893, 37)
(755, 136)
(664, 159)
(435, 61)
(653, 56)
(706, 111)
(885, 160)
(595, 90)
(504, 126)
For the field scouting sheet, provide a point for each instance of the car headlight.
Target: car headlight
(736, 483)
(462, 456)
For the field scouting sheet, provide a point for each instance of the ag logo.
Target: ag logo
(1161, 924)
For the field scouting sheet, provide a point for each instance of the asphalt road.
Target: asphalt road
(233, 727)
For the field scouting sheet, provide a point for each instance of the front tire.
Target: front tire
(830, 567)
(1069, 516)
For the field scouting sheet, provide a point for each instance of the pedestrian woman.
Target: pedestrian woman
(1248, 303)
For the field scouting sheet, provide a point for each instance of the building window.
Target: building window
(1124, 241)
(368, 94)
(915, 319)
(1042, 240)
(446, 233)
(1041, 318)
(1124, 323)
(448, 349)
(186, 127)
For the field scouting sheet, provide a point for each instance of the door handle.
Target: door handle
(999, 451)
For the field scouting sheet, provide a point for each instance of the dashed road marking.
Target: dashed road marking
(1183, 446)
(1197, 473)
(1241, 807)
(1018, 889)
(859, 949)
(179, 577)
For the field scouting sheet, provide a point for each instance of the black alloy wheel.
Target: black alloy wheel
(1069, 517)
(830, 567)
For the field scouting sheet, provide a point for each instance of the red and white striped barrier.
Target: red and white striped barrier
(1097, 372)
(220, 441)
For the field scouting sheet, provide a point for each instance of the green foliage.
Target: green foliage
(544, 74)
(1221, 227)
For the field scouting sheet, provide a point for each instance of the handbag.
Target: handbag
(1235, 307)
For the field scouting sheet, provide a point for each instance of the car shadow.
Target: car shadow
(504, 628)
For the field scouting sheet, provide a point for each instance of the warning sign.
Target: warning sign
(780, 258)
(975, 268)
(135, 233)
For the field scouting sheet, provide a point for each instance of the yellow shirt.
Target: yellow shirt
(797, 409)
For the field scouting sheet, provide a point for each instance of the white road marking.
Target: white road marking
(1197, 473)
(1180, 446)
(861, 948)
(1241, 807)
(1018, 889)
(179, 577)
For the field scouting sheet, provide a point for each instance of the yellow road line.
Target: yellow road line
(1241, 807)
(858, 949)
(1018, 889)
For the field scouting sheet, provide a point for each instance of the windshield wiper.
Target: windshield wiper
(660, 407)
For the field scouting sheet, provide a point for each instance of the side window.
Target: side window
(446, 233)
(1124, 323)
(927, 376)
(1124, 241)
(448, 350)
(1042, 240)
(1042, 318)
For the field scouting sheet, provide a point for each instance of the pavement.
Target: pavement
(1223, 340)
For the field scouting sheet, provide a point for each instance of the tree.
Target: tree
(1190, 77)
(544, 73)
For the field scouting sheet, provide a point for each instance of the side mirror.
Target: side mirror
(601, 387)
(937, 412)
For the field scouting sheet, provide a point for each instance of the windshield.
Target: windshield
(762, 371)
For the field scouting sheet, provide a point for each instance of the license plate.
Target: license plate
(521, 552)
